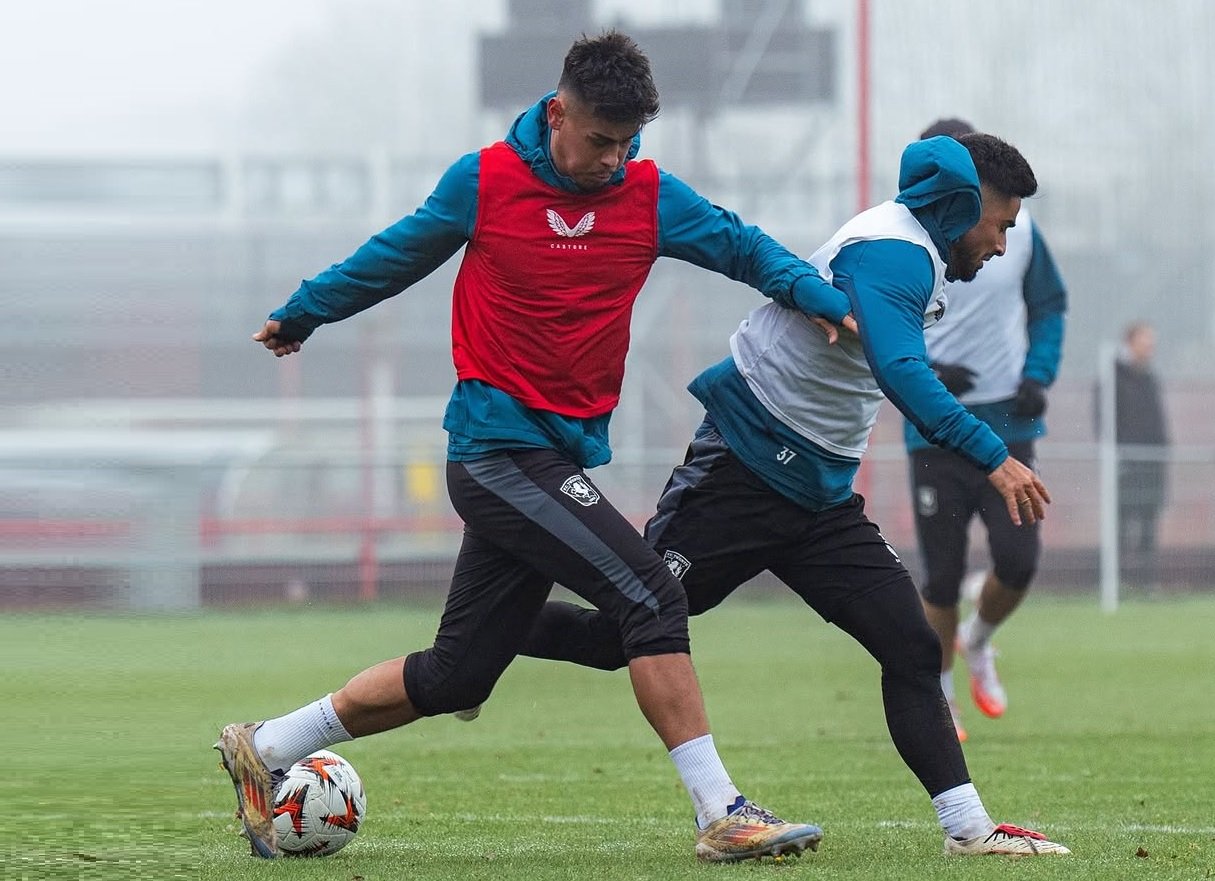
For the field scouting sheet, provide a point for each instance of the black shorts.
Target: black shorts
(532, 518)
(947, 491)
(718, 525)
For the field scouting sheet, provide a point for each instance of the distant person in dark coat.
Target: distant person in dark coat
(1141, 431)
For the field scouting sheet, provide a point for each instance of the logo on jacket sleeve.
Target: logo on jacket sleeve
(580, 490)
(677, 563)
(559, 226)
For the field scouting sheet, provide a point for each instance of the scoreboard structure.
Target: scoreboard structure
(760, 52)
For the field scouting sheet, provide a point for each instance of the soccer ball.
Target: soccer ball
(319, 805)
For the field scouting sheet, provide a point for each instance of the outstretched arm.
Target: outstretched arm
(692, 228)
(385, 265)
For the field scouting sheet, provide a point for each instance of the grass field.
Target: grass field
(1109, 746)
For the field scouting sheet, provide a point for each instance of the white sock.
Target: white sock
(978, 632)
(284, 741)
(947, 684)
(712, 791)
(961, 812)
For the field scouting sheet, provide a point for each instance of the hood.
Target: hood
(529, 137)
(938, 182)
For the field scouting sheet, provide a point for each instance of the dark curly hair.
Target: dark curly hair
(611, 76)
(1000, 165)
(952, 126)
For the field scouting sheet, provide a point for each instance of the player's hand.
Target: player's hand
(831, 331)
(1030, 401)
(956, 378)
(1022, 491)
(268, 337)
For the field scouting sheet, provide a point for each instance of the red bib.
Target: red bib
(544, 296)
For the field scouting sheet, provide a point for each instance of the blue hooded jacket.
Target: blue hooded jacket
(888, 284)
(480, 419)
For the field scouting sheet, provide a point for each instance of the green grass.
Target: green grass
(107, 722)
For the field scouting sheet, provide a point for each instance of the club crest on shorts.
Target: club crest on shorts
(926, 500)
(677, 563)
(580, 490)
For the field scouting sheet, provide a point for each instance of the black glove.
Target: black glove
(1030, 401)
(958, 380)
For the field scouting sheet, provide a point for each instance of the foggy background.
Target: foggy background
(169, 172)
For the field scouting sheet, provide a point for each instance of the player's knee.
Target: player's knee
(924, 651)
(452, 696)
(659, 627)
(1016, 573)
(917, 650)
(606, 651)
(435, 687)
(942, 591)
(913, 664)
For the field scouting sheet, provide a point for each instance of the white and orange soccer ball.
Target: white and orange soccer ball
(319, 806)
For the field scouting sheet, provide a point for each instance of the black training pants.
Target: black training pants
(948, 492)
(532, 518)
